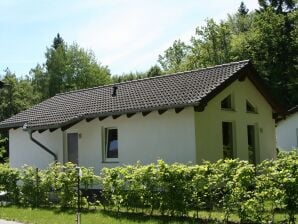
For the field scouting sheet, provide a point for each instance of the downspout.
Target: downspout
(39, 143)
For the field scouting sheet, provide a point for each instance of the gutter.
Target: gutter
(39, 143)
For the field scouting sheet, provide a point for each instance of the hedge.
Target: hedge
(255, 193)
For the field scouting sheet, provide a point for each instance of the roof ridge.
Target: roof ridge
(155, 77)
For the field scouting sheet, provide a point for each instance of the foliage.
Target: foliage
(34, 191)
(233, 186)
(176, 190)
(68, 67)
(272, 44)
(3, 140)
(268, 37)
(128, 77)
(16, 96)
(8, 182)
(62, 179)
(37, 188)
(280, 6)
(154, 71)
(174, 56)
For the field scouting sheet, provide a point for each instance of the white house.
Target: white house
(217, 112)
(287, 131)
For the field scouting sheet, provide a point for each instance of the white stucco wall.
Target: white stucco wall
(24, 151)
(287, 133)
(169, 136)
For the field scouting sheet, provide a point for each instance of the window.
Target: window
(250, 108)
(227, 140)
(111, 144)
(226, 103)
(72, 148)
(251, 140)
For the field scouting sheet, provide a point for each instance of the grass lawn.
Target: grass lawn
(55, 216)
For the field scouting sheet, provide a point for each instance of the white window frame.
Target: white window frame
(105, 145)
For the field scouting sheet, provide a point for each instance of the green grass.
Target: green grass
(55, 216)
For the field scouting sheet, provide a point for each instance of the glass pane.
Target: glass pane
(251, 144)
(250, 107)
(112, 143)
(227, 139)
(226, 103)
(72, 147)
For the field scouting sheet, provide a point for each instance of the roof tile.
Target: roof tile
(168, 91)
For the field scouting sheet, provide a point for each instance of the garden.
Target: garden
(227, 191)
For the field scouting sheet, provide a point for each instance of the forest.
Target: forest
(267, 36)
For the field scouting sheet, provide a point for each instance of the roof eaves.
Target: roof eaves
(95, 115)
(262, 87)
(292, 110)
(239, 74)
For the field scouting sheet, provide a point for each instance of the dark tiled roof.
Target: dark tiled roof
(170, 91)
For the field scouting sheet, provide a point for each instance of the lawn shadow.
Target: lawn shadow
(162, 219)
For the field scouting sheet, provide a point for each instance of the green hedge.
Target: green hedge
(230, 186)
(37, 188)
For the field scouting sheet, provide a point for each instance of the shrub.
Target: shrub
(8, 182)
(33, 188)
(233, 186)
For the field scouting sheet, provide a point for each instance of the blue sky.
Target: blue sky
(125, 35)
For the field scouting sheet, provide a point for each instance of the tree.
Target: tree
(40, 81)
(272, 44)
(67, 67)
(82, 70)
(154, 71)
(242, 10)
(279, 6)
(128, 77)
(241, 21)
(56, 65)
(174, 56)
(58, 41)
(18, 95)
(210, 46)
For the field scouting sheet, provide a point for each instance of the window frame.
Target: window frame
(106, 159)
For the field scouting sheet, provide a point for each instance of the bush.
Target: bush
(8, 182)
(232, 186)
(62, 179)
(34, 190)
